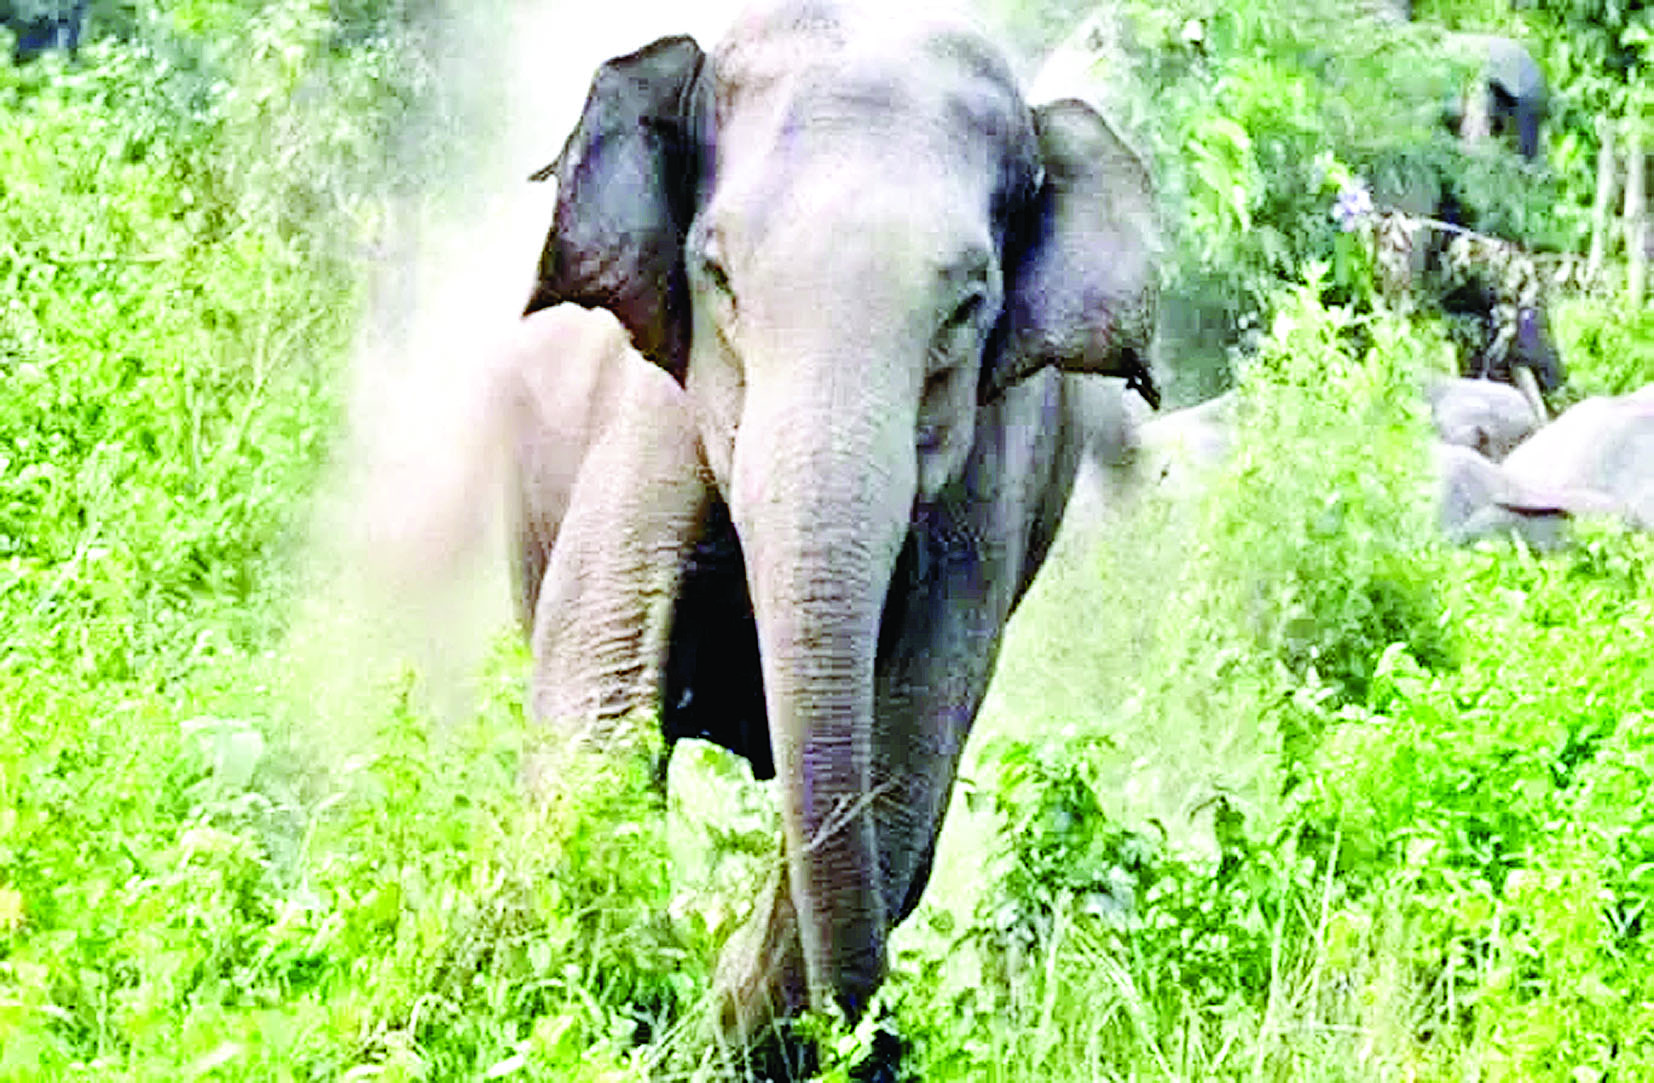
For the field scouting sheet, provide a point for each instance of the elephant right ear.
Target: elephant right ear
(627, 185)
(1082, 286)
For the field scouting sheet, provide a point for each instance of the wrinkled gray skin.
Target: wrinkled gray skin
(1488, 416)
(1475, 499)
(870, 263)
(575, 396)
(1596, 459)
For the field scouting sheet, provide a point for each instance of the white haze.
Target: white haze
(409, 564)
(409, 569)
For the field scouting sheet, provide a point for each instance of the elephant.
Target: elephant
(1596, 459)
(1489, 481)
(1508, 101)
(1475, 499)
(876, 277)
(1170, 458)
(1484, 415)
(44, 24)
(573, 397)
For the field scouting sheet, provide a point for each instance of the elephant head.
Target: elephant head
(846, 235)
(38, 28)
(1509, 99)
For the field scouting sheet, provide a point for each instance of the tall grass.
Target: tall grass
(1275, 787)
(1271, 786)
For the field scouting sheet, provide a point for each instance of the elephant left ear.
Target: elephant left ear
(627, 185)
(1082, 280)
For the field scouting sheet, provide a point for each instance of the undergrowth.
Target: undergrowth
(1351, 806)
(1273, 786)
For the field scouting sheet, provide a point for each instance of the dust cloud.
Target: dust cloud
(407, 565)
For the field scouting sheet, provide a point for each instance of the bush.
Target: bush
(1302, 795)
(180, 289)
(1434, 861)
(1490, 795)
(1257, 117)
(1609, 351)
(1325, 528)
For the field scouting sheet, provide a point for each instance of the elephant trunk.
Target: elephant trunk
(821, 496)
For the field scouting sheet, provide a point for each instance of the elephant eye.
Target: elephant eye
(959, 335)
(716, 276)
(966, 312)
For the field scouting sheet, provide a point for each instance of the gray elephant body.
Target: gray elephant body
(1486, 415)
(1595, 459)
(1475, 499)
(877, 273)
(603, 649)
(567, 384)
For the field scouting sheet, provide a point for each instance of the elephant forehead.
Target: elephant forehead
(812, 76)
(771, 39)
(823, 270)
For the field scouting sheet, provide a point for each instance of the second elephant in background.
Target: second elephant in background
(571, 389)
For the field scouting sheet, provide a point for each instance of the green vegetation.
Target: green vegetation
(1349, 808)
(1271, 786)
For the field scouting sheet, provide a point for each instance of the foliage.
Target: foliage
(401, 915)
(1258, 116)
(159, 446)
(1452, 876)
(1207, 926)
(1302, 795)
(1271, 105)
(1609, 352)
(1335, 560)
(1491, 794)
(1597, 55)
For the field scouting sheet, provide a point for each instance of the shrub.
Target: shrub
(1608, 351)
(1490, 796)
(1320, 544)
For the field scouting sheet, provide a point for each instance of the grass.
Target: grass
(1211, 860)
(1399, 915)
(1270, 786)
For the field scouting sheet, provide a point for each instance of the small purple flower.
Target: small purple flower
(1353, 206)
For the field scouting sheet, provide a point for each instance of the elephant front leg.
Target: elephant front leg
(601, 623)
